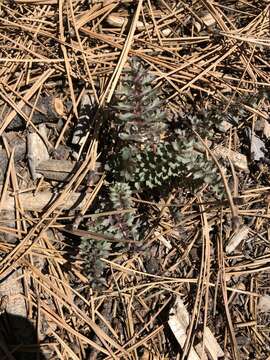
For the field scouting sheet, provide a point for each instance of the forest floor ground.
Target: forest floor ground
(196, 285)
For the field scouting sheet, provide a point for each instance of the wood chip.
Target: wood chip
(58, 106)
(212, 348)
(118, 21)
(162, 239)
(41, 200)
(208, 20)
(58, 170)
(239, 160)
(36, 150)
(257, 148)
(166, 32)
(237, 238)
(178, 322)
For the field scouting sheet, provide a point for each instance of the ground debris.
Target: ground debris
(172, 266)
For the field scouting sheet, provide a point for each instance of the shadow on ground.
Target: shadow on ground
(18, 339)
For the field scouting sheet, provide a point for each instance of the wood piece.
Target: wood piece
(212, 348)
(257, 148)
(178, 322)
(36, 150)
(58, 106)
(166, 32)
(41, 200)
(61, 170)
(163, 240)
(46, 110)
(58, 170)
(239, 160)
(114, 19)
(236, 239)
(208, 20)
